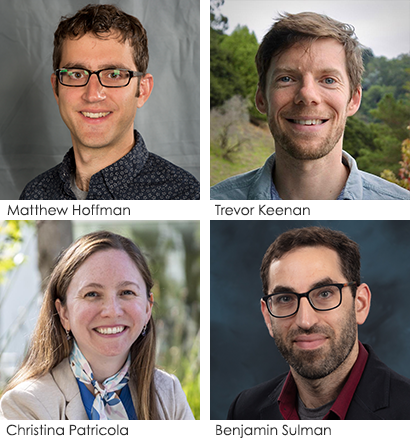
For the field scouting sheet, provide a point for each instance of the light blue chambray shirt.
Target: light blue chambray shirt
(257, 184)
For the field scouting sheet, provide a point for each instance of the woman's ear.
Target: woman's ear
(62, 311)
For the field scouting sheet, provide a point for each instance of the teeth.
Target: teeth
(95, 115)
(308, 121)
(110, 330)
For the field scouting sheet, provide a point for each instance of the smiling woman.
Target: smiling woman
(92, 355)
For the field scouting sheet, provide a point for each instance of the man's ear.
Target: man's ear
(354, 102)
(362, 303)
(267, 317)
(260, 102)
(62, 311)
(54, 84)
(145, 89)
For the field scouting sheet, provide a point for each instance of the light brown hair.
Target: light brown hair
(49, 344)
(290, 29)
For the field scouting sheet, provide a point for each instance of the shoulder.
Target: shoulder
(383, 391)
(234, 188)
(252, 185)
(362, 185)
(168, 180)
(248, 403)
(44, 186)
(172, 402)
(376, 188)
(28, 399)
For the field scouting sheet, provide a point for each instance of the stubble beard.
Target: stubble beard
(300, 149)
(320, 362)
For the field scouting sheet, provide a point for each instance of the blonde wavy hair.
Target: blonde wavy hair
(49, 344)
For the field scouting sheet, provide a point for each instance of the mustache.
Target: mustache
(315, 329)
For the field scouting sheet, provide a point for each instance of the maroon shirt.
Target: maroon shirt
(288, 396)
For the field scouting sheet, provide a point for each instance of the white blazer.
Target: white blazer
(56, 396)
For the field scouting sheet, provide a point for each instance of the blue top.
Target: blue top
(257, 185)
(125, 397)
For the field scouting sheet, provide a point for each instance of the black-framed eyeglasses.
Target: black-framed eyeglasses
(113, 78)
(323, 298)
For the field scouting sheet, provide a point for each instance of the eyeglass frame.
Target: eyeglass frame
(132, 74)
(340, 286)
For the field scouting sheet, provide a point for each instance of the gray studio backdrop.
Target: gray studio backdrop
(33, 138)
(243, 354)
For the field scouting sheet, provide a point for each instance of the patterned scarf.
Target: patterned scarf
(107, 405)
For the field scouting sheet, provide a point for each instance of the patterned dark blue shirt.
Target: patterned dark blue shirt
(139, 175)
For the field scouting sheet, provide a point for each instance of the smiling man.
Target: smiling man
(313, 303)
(310, 69)
(100, 79)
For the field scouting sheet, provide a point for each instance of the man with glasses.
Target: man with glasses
(100, 61)
(313, 302)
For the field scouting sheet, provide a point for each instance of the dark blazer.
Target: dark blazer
(382, 394)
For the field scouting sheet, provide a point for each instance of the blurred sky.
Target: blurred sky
(384, 26)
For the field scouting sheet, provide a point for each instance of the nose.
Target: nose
(306, 316)
(307, 93)
(111, 308)
(93, 90)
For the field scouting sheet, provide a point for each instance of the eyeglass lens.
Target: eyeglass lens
(322, 298)
(108, 78)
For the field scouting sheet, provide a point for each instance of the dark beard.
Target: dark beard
(317, 364)
(295, 149)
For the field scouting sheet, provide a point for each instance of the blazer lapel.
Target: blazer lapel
(67, 383)
(271, 411)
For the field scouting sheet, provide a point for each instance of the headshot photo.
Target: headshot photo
(312, 320)
(103, 328)
(101, 101)
(303, 106)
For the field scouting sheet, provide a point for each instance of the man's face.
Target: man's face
(307, 99)
(100, 117)
(313, 343)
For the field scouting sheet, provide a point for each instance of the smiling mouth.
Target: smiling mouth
(308, 121)
(95, 115)
(110, 330)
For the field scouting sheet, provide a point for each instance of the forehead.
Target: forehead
(324, 53)
(94, 52)
(107, 266)
(303, 267)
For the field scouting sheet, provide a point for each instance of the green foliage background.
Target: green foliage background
(373, 136)
(172, 249)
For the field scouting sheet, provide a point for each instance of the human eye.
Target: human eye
(76, 74)
(128, 292)
(91, 294)
(285, 79)
(329, 81)
(326, 292)
(282, 298)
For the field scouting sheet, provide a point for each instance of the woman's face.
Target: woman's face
(107, 307)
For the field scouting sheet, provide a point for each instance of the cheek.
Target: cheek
(81, 316)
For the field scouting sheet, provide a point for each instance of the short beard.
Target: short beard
(297, 150)
(315, 364)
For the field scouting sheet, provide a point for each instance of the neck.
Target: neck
(89, 160)
(320, 179)
(107, 368)
(317, 392)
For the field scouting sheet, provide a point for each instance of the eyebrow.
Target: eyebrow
(119, 285)
(287, 289)
(289, 71)
(102, 67)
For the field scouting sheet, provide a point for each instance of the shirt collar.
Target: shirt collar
(128, 168)
(288, 396)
